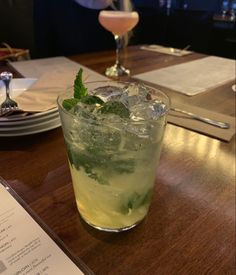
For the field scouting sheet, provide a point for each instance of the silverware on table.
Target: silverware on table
(213, 122)
(180, 51)
(8, 104)
(171, 50)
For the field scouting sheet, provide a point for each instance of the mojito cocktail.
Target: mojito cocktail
(113, 147)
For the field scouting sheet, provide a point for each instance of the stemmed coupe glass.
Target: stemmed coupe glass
(119, 23)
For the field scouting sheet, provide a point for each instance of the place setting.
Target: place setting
(24, 114)
(29, 105)
(117, 138)
(186, 81)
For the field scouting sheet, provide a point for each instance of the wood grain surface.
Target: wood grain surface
(190, 228)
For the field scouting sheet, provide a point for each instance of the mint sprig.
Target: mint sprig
(80, 92)
(92, 159)
(81, 95)
(99, 165)
(79, 89)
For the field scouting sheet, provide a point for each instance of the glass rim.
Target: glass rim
(123, 120)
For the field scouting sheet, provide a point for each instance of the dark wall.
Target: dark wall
(16, 23)
(193, 25)
(63, 27)
(201, 5)
(52, 27)
(206, 5)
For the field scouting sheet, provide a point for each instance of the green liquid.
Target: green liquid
(112, 196)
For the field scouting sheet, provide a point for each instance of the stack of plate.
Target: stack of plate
(31, 124)
(18, 125)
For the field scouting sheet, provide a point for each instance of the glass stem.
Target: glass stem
(118, 40)
(7, 85)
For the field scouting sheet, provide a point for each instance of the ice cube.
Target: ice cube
(82, 110)
(109, 118)
(147, 110)
(100, 138)
(141, 130)
(133, 94)
(143, 92)
(107, 93)
(132, 89)
(137, 89)
(129, 101)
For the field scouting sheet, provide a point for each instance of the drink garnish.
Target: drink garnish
(97, 166)
(115, 107)
(92, 99)
(81, 95)
(79, 89)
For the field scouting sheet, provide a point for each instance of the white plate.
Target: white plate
(31, 132)
(24, 119)
(42, 127)
(27, 127)
(10, 119)
(18, 86)
(21, 123)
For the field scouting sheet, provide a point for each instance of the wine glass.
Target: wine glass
(119, 23)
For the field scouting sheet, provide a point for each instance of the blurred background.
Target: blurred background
(63, 27)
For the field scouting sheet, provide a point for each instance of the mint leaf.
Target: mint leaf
(135, 201)
(69, 103)
(89, 100)
(80, 92)
(98, 165)
(92, 99)
(115, 107)
(79, 89)
(89, 163)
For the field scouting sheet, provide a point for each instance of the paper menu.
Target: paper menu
(193, 77)
(25, 248)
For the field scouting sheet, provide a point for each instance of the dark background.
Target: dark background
(62, 27)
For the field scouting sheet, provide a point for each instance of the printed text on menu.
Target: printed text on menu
(25, 248)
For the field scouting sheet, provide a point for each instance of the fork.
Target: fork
(8, 104)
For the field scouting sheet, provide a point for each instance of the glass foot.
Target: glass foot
(117, 70)
(121, 229)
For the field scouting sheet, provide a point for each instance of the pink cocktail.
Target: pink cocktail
(118, 23)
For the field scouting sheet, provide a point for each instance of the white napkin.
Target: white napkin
(193, 77)
(165, 50)
(60, 65)
(55, 75)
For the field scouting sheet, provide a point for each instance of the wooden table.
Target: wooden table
(190, 228)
